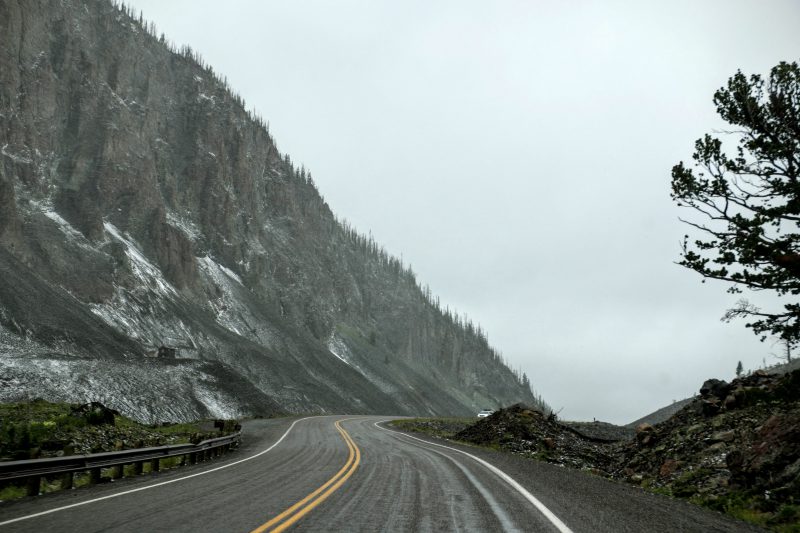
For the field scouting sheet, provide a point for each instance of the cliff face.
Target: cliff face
(142, 206)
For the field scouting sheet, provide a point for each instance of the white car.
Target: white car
(485, 413)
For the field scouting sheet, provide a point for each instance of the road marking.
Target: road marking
(561, 526)
(57, 509)
(297, 511)
(506, 523)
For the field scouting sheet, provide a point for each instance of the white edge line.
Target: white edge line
(204, 472)
(561, 526)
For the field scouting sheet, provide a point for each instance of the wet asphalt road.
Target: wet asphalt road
(382, 481)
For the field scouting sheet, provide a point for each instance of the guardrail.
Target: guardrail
(33, 470)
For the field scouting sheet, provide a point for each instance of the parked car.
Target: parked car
(485, 413)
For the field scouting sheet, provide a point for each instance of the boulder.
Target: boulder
(709, 407)
(644, 433)
(669, 467)
(730, 402)
(724, 436)
(715, 388)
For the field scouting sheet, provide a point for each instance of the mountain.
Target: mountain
(160, 255)
(660, 415)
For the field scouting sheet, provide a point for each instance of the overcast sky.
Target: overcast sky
(518, 155)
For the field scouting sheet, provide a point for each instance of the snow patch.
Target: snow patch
(340, 350)
(63, 225)
(231, 274)
(185, 225)
(213, 268)
(142, 268)
(16, 158)
(230, 312)
(217, 403)
(45, 207)
(141, 307)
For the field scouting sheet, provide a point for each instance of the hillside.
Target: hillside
(660, 415)
(160, 255)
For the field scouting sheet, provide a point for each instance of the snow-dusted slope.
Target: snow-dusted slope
(141, 207)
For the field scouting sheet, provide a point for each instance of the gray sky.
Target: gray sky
(518, 155)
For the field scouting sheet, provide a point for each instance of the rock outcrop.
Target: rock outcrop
(737, 445)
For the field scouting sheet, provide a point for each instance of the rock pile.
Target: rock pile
(740, 438)
(529, 432)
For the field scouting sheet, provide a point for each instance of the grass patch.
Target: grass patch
(755, 509)
(11, 492)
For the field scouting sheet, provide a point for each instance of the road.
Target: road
(352, 474)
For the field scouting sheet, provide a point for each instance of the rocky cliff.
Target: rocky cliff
(159, 254)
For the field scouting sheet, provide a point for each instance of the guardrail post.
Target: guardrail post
(118, 471)
(155, 465)
(32, 485)
(138, 468)
(67, 480)
(94, 476)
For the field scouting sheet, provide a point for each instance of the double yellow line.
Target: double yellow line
(297, 511)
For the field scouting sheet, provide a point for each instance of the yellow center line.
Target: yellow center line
(302, 502)
(304, 506)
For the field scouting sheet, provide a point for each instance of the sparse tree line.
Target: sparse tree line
(187, 52)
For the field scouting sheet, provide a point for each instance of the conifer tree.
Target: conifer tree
(746, 198)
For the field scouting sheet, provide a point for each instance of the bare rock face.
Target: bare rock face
(142, 206)
(173, 251)
(9, 223)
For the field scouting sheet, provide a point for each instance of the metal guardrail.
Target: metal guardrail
(32, 470)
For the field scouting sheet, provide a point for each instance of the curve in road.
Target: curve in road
(297, 511)
(559, 525)
(356, 476)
